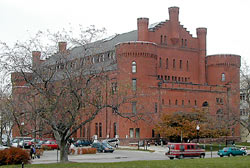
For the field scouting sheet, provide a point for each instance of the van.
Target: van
(182, 150)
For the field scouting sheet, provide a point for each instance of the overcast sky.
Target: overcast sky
(227, 21)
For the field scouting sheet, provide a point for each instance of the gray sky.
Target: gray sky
(227, 21)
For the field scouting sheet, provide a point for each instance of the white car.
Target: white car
(3, 147)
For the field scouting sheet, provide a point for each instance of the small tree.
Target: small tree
(182, 125)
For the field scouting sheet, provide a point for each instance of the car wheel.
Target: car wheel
(181, 156)
(202, 156)
(229, 154)
(171, 158)
(243, 154)
(221, 155)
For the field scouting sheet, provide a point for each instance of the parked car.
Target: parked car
(39, 144)
(181, 150)
(50, 144)
(231, 151)
(112, 142)
(27, 144)
(3, 147)
(102, 147)
(18, 141)
(80, 143)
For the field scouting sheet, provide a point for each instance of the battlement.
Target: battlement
(18, 79)
(224, 60)
(201, 31)
(137, 48)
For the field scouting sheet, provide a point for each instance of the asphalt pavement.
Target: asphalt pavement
(119, 155)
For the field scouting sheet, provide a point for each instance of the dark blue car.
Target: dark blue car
(80, 143)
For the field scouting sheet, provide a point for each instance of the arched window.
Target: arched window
(173, 63)
(133, 67)
(167, 63)
(205, 104)
(187, 66)
(223, 77)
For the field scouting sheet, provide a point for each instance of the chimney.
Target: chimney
(173, 14)
(142, 29)
(35, 58)
(62, 46)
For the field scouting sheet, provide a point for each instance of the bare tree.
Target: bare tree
(245, 98)
(71, 87)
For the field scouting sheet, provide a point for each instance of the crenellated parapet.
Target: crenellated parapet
(19, 79)
(137, 49)
(224, 60)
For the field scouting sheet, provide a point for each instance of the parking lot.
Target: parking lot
(116, 156)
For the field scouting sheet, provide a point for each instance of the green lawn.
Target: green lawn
(226, 162)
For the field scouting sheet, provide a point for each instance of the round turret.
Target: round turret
(223, 69)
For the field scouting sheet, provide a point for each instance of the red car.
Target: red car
(50, 144)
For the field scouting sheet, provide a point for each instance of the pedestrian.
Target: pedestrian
(31, 152)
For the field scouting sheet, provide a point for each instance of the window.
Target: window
(153, 133)
(114, 87)
(131, 132)
(223, 77)
(133, 67)
(187, 66)
(156, 107)
(189, 102)
(160, 62)
(182, 42)
(100, 129)
(161, 39)
(115, 129)
(176, 102)
(167, 63)
(134, 84)
(180, 64)
(173, 63)
(183, 102)
(169, 102)
(185, 42)
(84, 131)
(165, 40)
(162, 101)
(137, 132)
(134, 107)
(195, 103)
(96, 128)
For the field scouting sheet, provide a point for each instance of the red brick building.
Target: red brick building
(171, 71)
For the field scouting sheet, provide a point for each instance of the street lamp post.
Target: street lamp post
(197, 129)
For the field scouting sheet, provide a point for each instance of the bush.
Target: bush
(44, 147)
(14, 156)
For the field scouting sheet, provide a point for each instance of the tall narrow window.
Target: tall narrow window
(134, 107)
(176, 102)
(187, 66)
(134, 84)
(185, 42)
(137, 132)
(115, 129)
(96, 128)
(173, 63)
(167, 63)
(195, 103)
(100, 129)
(165, 40)
(133, 67)
(156, 108)
(160, 62)
(131, 132)
(180, 64)
(169, 102)
(161, 39)
(183, 102)
(84, 131)
(182, 42)
(223, 77)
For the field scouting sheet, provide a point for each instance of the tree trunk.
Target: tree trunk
(64, 151)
